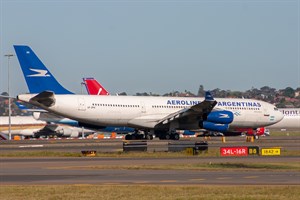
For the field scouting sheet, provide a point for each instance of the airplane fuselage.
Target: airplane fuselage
(291, 119)
(145, 112)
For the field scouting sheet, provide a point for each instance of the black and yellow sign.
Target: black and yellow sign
(270, 151)
(253, 150)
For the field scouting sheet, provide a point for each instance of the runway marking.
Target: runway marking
(168, 181)
(251, 177)
(224, 178)
(37, 145)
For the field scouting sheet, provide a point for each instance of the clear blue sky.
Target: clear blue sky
(156, 46)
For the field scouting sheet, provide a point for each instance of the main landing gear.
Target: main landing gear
(137, 135)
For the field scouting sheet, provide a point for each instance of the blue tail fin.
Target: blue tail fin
(37, 76)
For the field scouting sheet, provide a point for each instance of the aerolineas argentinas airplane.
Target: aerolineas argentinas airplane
(155, 115)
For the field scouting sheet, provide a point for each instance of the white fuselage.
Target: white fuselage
(21, 125)
(146, 112)
(291, 119)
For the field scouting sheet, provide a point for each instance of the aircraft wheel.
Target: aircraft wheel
(176, 136)
(128, 137)
(168, 137)
(148, 137)
(161, 137)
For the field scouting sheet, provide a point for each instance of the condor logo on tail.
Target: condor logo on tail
(39, 73)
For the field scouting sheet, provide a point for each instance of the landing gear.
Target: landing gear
(168, 135)
(139, 135)
(176, 136)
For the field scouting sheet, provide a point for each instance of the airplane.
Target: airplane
(30, 127)
(21, 125)
(93, 87)
(38, 125)
(159, 116)
(290, 121)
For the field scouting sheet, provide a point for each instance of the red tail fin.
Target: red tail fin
(93, 87)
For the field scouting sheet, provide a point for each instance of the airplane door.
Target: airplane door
(81, 104)
(143, 107)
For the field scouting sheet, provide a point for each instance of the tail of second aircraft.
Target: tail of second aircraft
(37, 76)
(93, 87)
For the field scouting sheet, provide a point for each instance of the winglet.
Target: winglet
(208, 96)
(37, 76)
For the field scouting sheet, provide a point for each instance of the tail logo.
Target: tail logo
(224, 116)
(39, 73)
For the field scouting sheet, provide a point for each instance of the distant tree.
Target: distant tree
(4, 93)
(289, 92)
(236, 94)
(281, 103)
(201, 92)
(142, 94)
(123, 94)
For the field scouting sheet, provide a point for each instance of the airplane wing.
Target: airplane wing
(200, 109)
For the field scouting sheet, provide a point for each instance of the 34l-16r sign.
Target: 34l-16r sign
(234, 151)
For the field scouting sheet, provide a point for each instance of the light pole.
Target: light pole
(9, 104)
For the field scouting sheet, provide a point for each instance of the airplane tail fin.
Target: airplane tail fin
(37, 76)
(93, 87)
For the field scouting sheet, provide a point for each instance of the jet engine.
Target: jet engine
(222, 117)
(67, 132)
(217, 121)
(215, 127)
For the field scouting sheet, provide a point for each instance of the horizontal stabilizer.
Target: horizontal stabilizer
(45, 98)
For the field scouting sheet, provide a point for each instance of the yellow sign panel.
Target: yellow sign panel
(270, 152)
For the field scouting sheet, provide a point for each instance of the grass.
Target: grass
(143, 192)
(195, 166)
(275, 133)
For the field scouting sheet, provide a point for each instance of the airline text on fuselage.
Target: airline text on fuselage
(290, 112)
(220, 103)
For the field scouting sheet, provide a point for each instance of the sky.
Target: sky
(155, 46)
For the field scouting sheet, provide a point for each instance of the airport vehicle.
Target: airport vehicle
(159, 116)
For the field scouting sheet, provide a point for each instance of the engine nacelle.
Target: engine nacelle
(222, 117)
(215, 126)
(67, 132)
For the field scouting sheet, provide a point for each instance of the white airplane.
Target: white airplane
(21, 125)
(33, 126)
(291, 120)
(159, 116)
